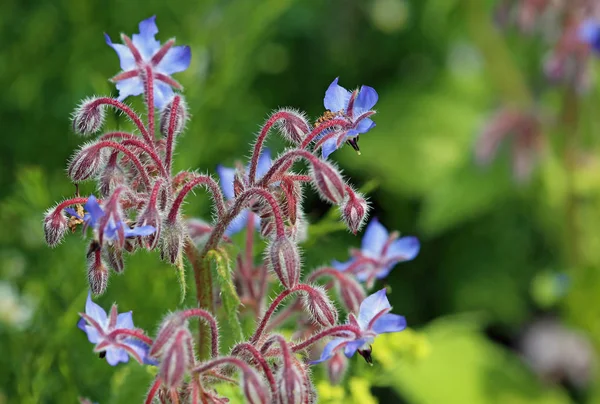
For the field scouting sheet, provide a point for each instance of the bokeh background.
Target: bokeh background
(504, 297)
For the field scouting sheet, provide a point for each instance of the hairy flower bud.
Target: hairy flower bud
(114, 257)
(351, 293)
(320, 307)
(86, 163)
(111, 177)
(55, 226)
(337, 367)
(255, 390)
(88, 118)
(179, 120)
(150, 217)
(97, 271)
(294, 126)
(177, 359)
(354, 211)
(169, 327)
(285, 260)
(291, 385)
(172, 241)
(328, 181)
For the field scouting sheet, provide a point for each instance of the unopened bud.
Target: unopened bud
(150, 217)
(285, 260)
(354, 211)
(255, 390)
(114, 257)
(55, 226)
(177, 360)
(87, 162)
(337, 367)
(169, 327)
(112, 176)
(328, 181)
(320, 307)
(291, 385)
(177, 121)
(97, 271)
(294, 127)
(88, 118)
(351, 293)
(172, 241)
(238, 183)
(267, 227)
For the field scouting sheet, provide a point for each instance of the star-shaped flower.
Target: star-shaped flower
(356, 107)
(374, 318)
(142, 53)
(113, 335)
(380, 252)
(227, 177)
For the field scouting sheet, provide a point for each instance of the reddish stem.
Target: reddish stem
(131, 333)
(171, 132)
(206, 316)
(70, 202)
(134, 159)
(320, 129)
(212, 186)
(128, 111)
(117, 135)
(337, 330)
(259, 143)
(261, 361)
(149, 81)
(150, 152)
(153, 390)
(287, 158)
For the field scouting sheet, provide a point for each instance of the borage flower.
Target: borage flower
(114, 335)
(356, 107)
(589, 32)
(143, 55)
(374, 318)
(380, 252)
(227, 178)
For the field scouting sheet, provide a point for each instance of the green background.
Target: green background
(492, 246)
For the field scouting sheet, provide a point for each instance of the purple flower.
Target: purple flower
(589, 32)
(374, 318)
(142, 51)
(111, 229)
(356, 106)
(227, 176)
(110, 336)
(380, 252)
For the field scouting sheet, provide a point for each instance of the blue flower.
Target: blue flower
(103, 330)
(374, 318)
(355, 106)
(142, 51)
(108, 228)
(380, 252)
(589, 32)
(227, 176)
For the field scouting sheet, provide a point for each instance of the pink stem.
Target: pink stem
(288, 157)
(153, 390)
(70, 202)
(319, 129)
(128, 111)
(261, 361)
(325, 333)
(134, 159)
(149, 81)
(259, 143)
(171, 132)
(206, 316)
(210, 183)
(150, 152)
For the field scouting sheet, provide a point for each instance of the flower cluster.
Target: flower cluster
(140, 206)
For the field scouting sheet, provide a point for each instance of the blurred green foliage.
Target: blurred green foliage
(490, 245)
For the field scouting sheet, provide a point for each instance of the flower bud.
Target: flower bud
(179, 120)
(255, 390)
(328, 181)
(114, 256)
(291, 385)
(337, 367)
(88, 118)
(319, 306)
(267, 227)
(172, 241)
(97, 271)
(169, 327)
(111, 177)
(351, 293)
(150, 217)
(354, 211)
(177, 359)
(285, 260)
(294, 126)
(86, 162)
(55, 226)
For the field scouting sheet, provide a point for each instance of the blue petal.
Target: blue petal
(389, 323)
(95, 311)
(329, 350)
(365, 125)
(133, 86)
(142, 350)
(94, 210)
(162, 94)
(226, 176)
(372, 306)
(176, 60)
(125, 320)
(263, 164)
(403, 249)
(139, 231)
(238, 224)
(336, 97)
(352, 347)
(81, 324)
(93, 334)
(144, 41)
(365, 100)
(116, 355)
(589, 31)
(125, 56)
(328, 147)
(374, 239)
(72, 212)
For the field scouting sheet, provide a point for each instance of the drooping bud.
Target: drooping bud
(285, 261)
(267, 227)
(178, 120)
(111, 177)
(354, 211)
(294, 127)
(88, 118)
(177, 359)
(291, 385)
(114, 257)
(150, 217)
(97, 271)
(172, 241)
(169, 327)
(320, 307)
(87, 162)
(255, 390)
(328, 181)
(238, 183)
(337, 367)
(351, 293)
(55, 226)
